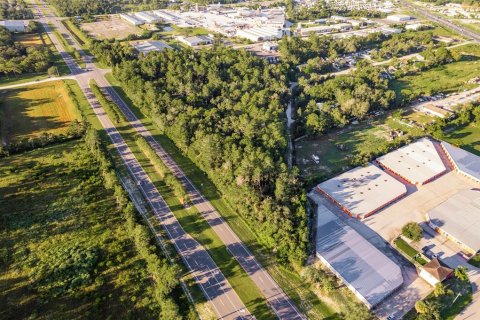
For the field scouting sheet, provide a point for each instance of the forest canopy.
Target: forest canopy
(224, 108)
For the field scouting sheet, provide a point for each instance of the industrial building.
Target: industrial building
(464, 162)
(260, 33)
(196, 41)
(458, 219)
(147, 17)
(131, 19)
(15, 25)
(363, 268)
(418, 162)
(363, 191)
(144, 47)
(399, 18)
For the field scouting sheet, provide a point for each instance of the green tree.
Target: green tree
(461, 273)
(413, 231)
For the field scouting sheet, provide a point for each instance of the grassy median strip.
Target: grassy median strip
(197, 227)
(290, 281)
(68, 48)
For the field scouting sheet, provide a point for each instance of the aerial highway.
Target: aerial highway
(224, 300)
(442, 21)
(277, 299)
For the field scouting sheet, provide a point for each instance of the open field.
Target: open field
(56, 215)
(28, 39)
(466, 137)
(448, 78)
(30, 111)
(110, 27)
(301, 293)
(335, 150)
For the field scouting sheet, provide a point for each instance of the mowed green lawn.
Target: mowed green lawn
(64, 250)
(467, 138)
(449, 78)
(30, 111)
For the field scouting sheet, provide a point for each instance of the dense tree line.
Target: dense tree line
(164, 275)
(15, 58)
(320, 9)
(72, 8)
(14, 10)
(403, 44)
(332, 102)
(295, 50)
(224, 108)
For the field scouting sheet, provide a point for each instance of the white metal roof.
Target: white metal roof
(357, 262)
(459, 216)
(417, 162)
(148, 46)
(466, 162)
(363, 190)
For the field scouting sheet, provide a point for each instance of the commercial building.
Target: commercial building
(316, 30)
(147, 17)
(364, 269)
(418, 162)
(399, 18)
(433, 272)
(144, 47)
(416, 26)
(435, 111)
(15, 25)
(260, 33)
(363, 191)
(131, 19)
(458, 219)
(464, 162)
(196, 41)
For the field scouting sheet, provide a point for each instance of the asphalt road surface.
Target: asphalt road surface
(224, 300)
(443, 21)
(277, 299)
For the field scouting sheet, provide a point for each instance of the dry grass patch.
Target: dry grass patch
(30, 111)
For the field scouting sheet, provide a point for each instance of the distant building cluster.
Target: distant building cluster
(254, 25)
(372, 5)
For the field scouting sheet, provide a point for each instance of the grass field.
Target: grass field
(301, 293)
(30, 111)
(448, 78)
(54, 210)
(336, 149)
(28, 39)
(467, 137)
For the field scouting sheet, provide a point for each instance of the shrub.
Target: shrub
(413, 231)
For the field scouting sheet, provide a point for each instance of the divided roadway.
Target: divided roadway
(222, 297)
(277, 299)
(440, 20)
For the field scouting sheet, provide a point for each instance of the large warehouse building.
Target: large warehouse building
(363, 191)
(458, 219)
(365, 270)
(417, 162)
(464, 162)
